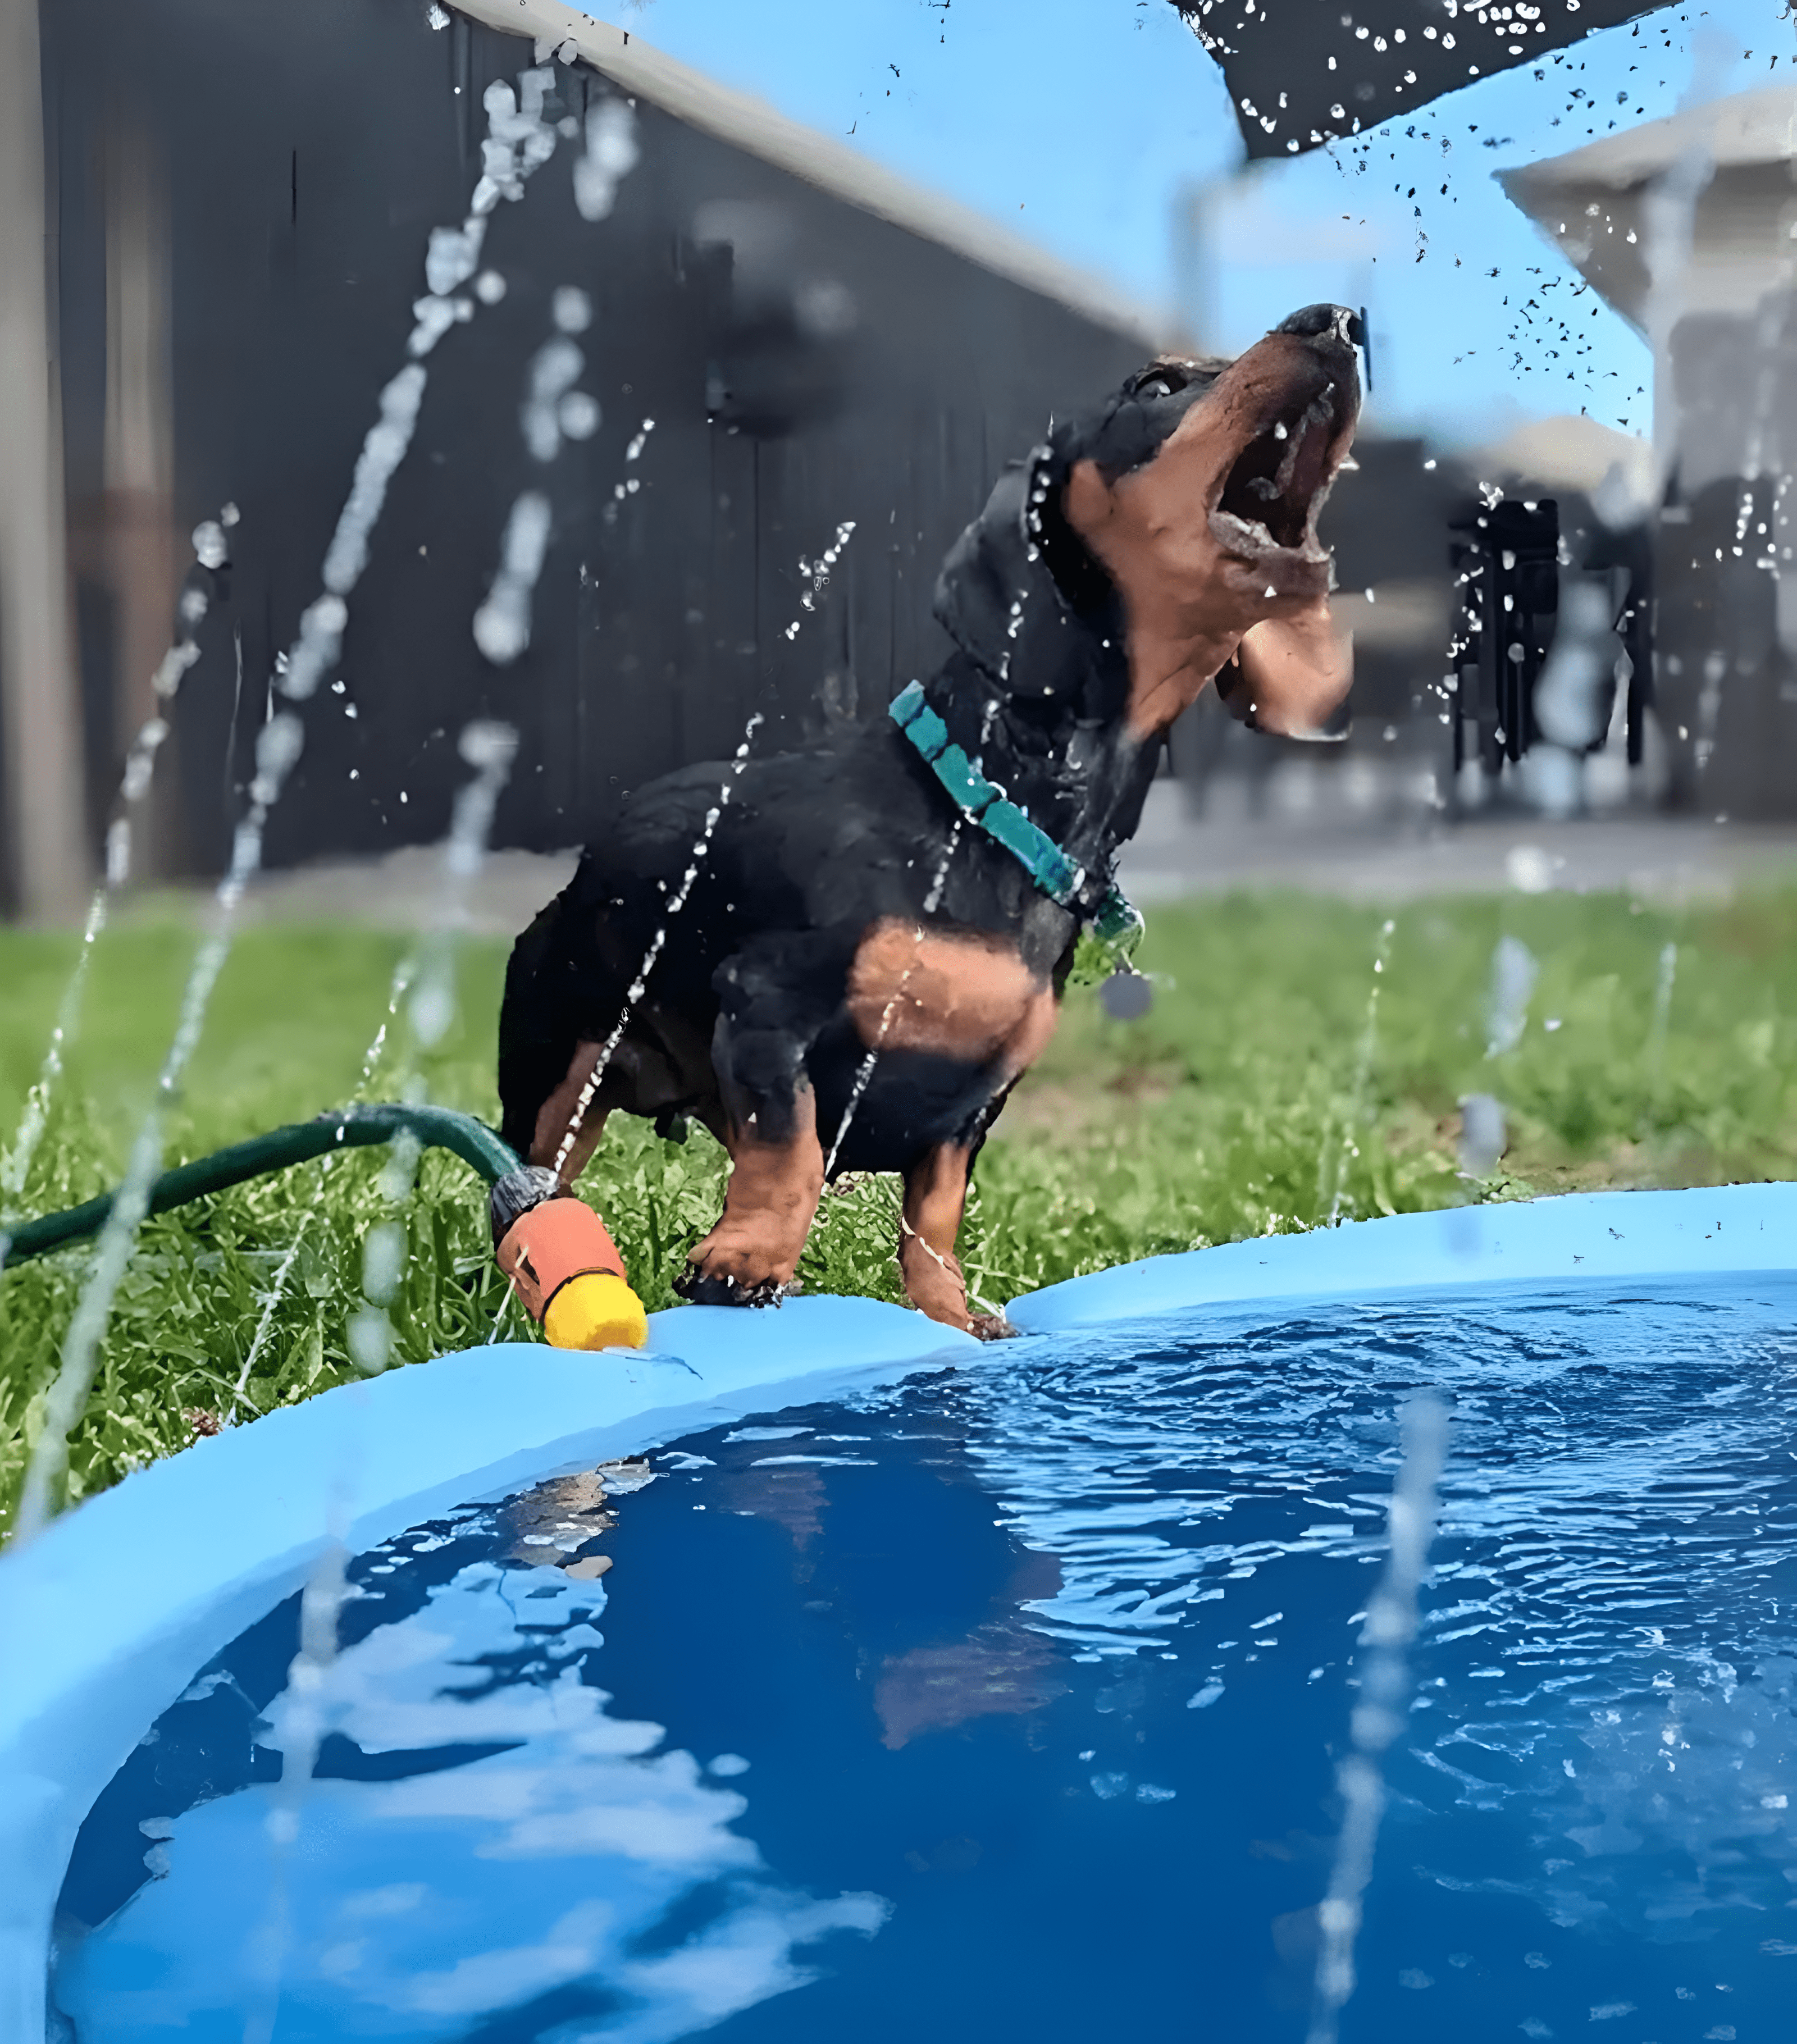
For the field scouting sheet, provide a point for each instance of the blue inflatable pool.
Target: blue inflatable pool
(820, 1673)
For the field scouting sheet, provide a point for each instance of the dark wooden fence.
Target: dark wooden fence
(265, 178)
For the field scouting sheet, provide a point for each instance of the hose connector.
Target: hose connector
(563, 1265)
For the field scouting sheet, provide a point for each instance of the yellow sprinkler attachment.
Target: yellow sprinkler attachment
(596, 1310)
(569, 1276)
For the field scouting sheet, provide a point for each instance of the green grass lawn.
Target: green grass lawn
(1268, 1090)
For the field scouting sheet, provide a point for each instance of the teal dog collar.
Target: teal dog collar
(1116, 923)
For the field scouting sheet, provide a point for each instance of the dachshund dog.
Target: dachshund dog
(876, 935)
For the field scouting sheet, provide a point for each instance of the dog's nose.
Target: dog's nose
(1316, 321)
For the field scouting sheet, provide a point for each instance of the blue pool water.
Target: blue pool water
(1011, 1699)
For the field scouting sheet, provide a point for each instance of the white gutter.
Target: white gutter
(1758, 127)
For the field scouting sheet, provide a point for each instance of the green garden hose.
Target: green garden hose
(440, 1128)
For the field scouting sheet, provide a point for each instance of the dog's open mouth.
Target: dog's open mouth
(1271, 497)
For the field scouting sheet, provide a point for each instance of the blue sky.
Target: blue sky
(1087, 124)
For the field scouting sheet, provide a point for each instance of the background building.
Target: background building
(1686, 226)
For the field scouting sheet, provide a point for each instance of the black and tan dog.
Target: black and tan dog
(875, 946)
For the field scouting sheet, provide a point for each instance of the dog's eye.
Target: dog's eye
(1161, 379)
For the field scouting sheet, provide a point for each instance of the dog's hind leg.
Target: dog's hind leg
(552, 1007)
(935, 1197)
(556, 1117)
(561, 1262)
(564, 989)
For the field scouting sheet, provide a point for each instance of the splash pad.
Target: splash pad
(981, 1688)
(905, 1634)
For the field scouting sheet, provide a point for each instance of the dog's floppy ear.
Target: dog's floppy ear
(1022, 595)
(1034, 640)
(1295, 671)
(984, 573)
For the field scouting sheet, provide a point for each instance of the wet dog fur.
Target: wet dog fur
(844, 907)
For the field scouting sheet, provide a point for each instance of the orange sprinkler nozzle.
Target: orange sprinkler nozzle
(570, 1278)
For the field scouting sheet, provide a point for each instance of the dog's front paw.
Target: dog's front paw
(706, 1288)
(737, 1266)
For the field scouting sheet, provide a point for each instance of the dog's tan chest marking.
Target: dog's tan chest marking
(959, 995)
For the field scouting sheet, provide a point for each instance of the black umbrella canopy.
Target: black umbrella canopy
(1301, 72)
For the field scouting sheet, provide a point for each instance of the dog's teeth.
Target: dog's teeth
(1278, 431)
